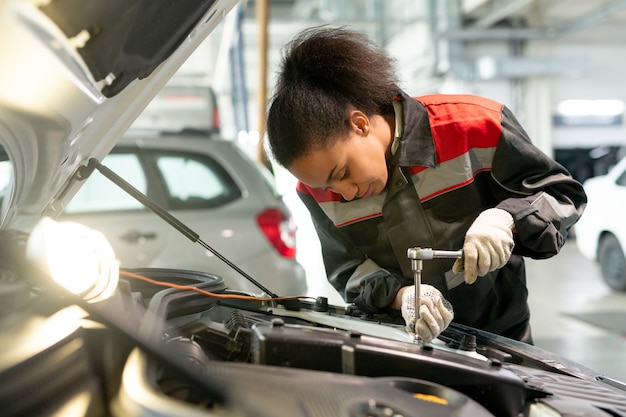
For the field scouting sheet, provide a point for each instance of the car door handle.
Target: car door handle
(135, 236)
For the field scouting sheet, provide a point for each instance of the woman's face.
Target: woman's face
(356, 166)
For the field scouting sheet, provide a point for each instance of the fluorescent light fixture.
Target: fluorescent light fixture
(76, 257)
(487, 67)
(590, 108)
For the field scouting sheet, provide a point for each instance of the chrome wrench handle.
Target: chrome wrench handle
(417, 256)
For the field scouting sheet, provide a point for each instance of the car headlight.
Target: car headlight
(76, 257)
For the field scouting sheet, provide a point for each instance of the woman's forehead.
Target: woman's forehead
(314, 168)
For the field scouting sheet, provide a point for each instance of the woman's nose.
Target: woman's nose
(347, 191)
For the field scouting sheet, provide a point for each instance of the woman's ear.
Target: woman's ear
(360, 122)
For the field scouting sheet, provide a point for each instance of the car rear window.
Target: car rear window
(98, 194)
(194, 181)
(176, 180)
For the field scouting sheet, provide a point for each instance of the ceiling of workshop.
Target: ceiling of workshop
(508, 22)
(602, 21)
(578, 20)
(414, 30)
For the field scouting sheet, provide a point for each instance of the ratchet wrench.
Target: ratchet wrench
(417, 256)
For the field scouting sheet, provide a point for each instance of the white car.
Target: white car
(601, 231)
(212, 187)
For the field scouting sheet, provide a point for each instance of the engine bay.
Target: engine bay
(242, 355)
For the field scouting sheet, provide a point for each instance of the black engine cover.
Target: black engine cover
(496, 388)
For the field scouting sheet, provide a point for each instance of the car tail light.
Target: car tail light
(217, 121)
(280, 230)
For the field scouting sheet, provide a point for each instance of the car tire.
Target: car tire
(612, 262)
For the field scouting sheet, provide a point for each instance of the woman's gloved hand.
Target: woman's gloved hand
(488, 244)
(435, 312)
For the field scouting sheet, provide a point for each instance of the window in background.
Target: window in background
(98, 194)
(193, 182)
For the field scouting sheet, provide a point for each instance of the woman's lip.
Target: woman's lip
(368, 192)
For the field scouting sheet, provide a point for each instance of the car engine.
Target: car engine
(200, 349)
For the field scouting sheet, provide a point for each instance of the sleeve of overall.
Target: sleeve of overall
(357, 278)
(541, 195)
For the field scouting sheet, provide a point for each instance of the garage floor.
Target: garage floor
(574, 314)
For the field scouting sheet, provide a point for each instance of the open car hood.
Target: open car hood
(74, 76)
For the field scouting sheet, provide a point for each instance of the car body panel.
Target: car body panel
(605, 210)
(604, 214)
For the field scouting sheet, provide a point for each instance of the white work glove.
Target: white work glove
(435, 312)
(488, 244)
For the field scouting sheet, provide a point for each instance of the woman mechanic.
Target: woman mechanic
(381, 172)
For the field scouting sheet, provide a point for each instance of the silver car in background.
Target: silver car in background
(213, 187)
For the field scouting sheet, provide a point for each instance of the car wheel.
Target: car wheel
(612, 263)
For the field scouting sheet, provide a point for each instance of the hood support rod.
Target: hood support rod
(164, 214)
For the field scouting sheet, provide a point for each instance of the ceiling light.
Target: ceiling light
(590, 107)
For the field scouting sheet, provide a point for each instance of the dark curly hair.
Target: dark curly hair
(323, 71)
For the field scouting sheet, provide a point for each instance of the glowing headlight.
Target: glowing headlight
(78, 258)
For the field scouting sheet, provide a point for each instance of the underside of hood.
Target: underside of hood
(74, 75)
(126, 39)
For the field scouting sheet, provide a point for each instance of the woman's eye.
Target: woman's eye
(345, 175)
